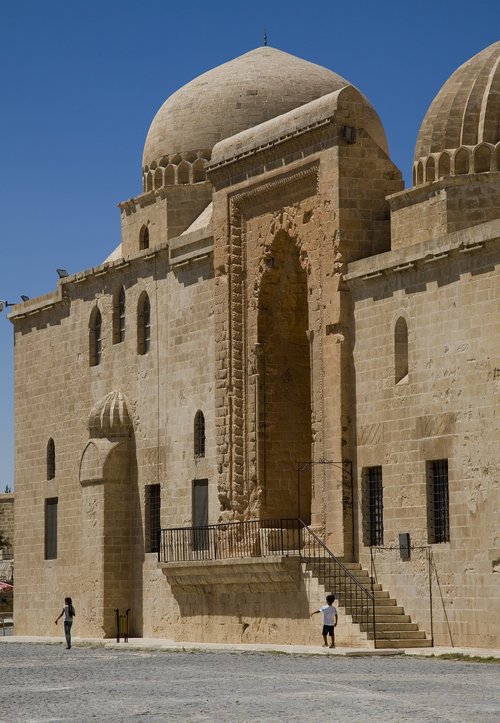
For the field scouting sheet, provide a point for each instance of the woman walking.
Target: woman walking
(69, 613)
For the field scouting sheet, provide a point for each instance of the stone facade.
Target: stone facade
(283, 332)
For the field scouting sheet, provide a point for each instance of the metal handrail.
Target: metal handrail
(275, 537)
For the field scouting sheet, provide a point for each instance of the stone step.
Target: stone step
(393, 628)
(399, 634)
(392, 625)
(386, 602)
(391, 609)
(392, 619)
(343, 587)
(403, 643)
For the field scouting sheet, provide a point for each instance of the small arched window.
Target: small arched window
(119, 316)
(420, 173)
(51, 459)
(170, 175)
(143, 324)
(198, 171)
(430, 170)
(158, 178)
(95, 340)
(144, 238)
(401, 351)
(482, 159)
(199, 434)
(444, 165)
(461, 162)
(183, 172)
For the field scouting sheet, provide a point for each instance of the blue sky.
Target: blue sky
(81, 82)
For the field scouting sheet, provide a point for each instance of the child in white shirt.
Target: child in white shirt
(330, 619)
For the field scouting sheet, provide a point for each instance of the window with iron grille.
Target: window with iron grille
(143, 324)
(401, 351)
(152, 517)
(199, 434)
(51, 459)
(51, 528)
(95, 340)
(373, 507)
(119, 317)
(438, 503)
(200, 514)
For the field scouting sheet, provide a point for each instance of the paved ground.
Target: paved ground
(44, 682)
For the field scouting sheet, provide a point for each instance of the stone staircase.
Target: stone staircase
(393, 628)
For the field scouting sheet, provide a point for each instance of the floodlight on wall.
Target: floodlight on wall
(4, 304)
(24, 297)
(349, 134)
(62, 273)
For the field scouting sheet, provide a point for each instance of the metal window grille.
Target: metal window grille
(51, 528)
(199, 434)
(153, 508)
(438, 501)
(95, 339)
(51, 459)
(121, 315)
(144, 326)
(375, 505)
(200, 515)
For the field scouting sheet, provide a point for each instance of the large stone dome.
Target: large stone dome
(461, 129)
(233, 97)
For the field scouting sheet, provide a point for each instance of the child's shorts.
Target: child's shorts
(328, 630)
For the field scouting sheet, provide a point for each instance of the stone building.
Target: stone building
(284, 332)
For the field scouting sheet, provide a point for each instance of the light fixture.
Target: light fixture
(24, 297)
(350, 134)
(4, 304)
(62, 273)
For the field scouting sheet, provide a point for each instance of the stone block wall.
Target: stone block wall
(56, 390)
(431, 211)
(445, 408)
(166, 213)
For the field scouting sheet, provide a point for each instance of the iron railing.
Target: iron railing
(265, 538)
(252, 538)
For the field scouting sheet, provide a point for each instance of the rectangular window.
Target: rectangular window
(438, 504)
(375, 494)
(373, 507)
(51, 528)
(200, 514)
(152, 517)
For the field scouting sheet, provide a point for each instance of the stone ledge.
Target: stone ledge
(191, 245)
(265, 571)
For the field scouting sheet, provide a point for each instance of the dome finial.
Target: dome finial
(265, 38)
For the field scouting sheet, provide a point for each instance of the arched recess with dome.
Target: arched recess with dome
(339, 336)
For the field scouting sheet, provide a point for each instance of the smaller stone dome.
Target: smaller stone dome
(110, 418)
(460, 133)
